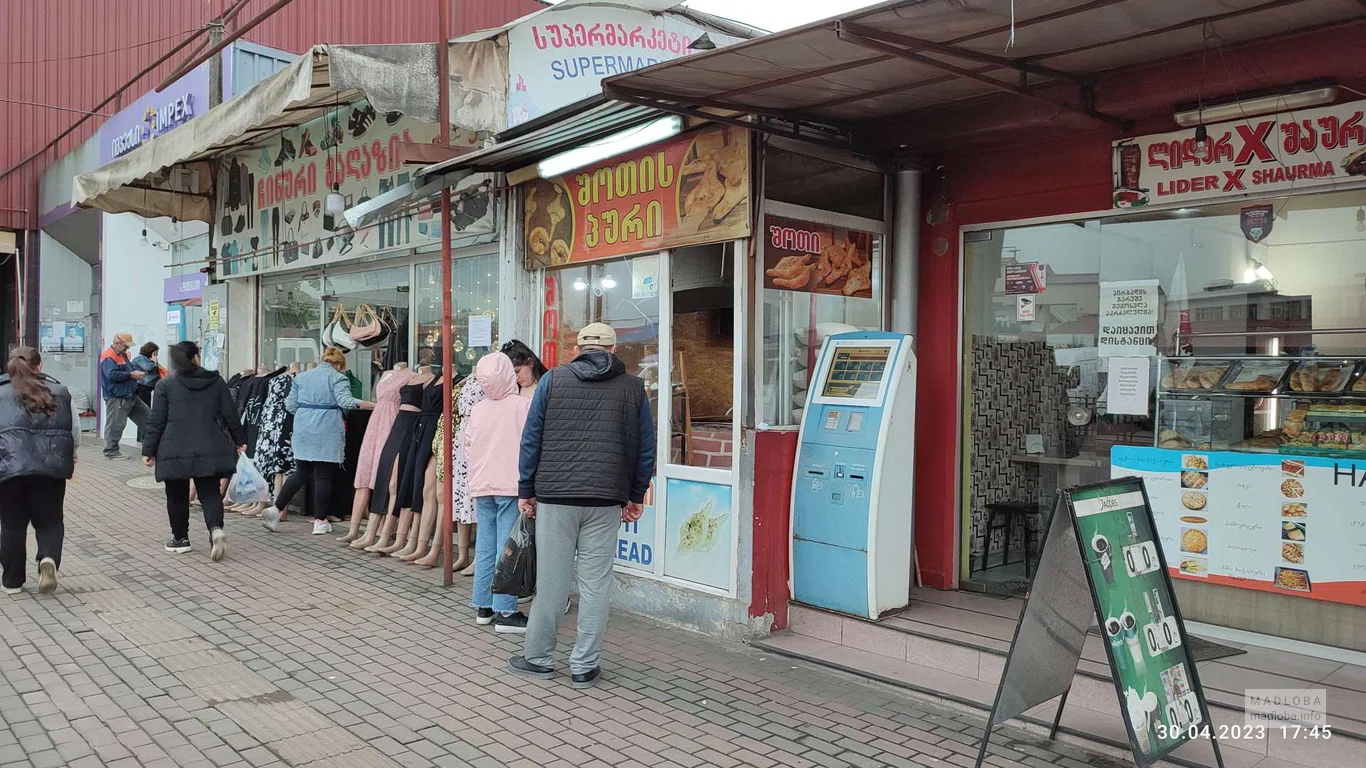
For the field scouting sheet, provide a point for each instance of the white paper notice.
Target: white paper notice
(481, 331)
(1128, 318)
(1129, 385)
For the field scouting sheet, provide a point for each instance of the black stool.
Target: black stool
(1001, 516)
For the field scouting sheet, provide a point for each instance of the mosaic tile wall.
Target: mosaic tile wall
(1017, 390)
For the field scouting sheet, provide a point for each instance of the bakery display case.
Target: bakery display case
(1307, 405)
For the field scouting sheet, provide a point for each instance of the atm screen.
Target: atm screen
(856, 373)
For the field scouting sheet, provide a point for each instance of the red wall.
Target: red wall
(74, 53)
(1005, 159)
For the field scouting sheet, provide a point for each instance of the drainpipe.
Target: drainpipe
(443, 116)
(904, 265)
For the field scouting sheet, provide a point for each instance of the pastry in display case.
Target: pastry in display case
(1195, 374)
(1314, 375)
(1258, 376)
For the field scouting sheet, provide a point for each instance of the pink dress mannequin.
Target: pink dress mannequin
(367, 465)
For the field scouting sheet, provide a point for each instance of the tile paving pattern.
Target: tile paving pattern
(297, 652)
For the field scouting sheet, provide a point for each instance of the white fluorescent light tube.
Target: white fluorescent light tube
(616, 144)
(1261, 105)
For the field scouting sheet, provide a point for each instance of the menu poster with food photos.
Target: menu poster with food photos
(1293, 525)
(692, 189)
(817, 258)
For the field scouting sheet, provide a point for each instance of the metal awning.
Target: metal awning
(563, 129)
(898, 58)
(172, 175)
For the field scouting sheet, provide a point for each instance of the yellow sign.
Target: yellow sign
(213, 315)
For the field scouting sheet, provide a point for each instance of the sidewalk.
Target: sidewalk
(296, 651)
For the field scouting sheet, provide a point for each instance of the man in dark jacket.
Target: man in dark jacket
(587, 458)
(119, 383)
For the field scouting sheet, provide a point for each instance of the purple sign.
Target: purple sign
(178, 290)
(155, 114)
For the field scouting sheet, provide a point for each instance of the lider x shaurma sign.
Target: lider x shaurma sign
(1269, 153)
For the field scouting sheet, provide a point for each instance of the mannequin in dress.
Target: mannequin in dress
(390, 466)
(413, 489)
(460, 507)
(432, 507)
(381, 422)
(255, 509)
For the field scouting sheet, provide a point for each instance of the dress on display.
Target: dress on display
(396, 447)
(274, 449)
(381, 421)
(251, 401)
(413, 478)
(462, 504)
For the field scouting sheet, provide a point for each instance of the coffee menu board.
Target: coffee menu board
(1293, 525)
(1145, 641)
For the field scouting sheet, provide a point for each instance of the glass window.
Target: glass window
(386, 292)
(291, 321)
(795, 326)
(474, 310)
(703, 284)
(1036, 419)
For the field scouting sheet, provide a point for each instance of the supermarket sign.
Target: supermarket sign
(1269, 153)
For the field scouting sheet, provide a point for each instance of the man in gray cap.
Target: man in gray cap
(587, 458)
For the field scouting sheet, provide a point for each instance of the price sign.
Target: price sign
(1162, 636)
(1141, 558)
(1184, 712)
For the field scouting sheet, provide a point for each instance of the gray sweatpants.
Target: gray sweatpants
(561, 533)
(118, 411)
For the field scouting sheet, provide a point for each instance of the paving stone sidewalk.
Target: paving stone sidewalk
(298, 652)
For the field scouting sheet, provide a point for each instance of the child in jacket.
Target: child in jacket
(492, 440)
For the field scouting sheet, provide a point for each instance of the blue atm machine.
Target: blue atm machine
(851, 497)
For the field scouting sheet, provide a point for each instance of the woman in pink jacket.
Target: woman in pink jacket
(493, 437)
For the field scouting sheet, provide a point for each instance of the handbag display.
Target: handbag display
(366, 327)
(337, 333)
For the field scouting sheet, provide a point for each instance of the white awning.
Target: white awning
(172, 175)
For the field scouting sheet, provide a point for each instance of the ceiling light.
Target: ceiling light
(1201, 139)
(580, 284)
(336, 204)
(616, 144)
(143, 241)
(609, 282)
(1233, 109)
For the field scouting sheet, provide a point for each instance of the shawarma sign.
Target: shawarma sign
(1269, 153)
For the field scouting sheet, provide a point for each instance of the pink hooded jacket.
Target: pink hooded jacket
(493, 430)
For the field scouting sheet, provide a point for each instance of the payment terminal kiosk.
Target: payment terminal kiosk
(851, 497)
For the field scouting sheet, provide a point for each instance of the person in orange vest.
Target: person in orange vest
(119, 385)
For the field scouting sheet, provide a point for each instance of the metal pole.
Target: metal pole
(224, 43)
(904, 264)
(215, 64)
(443, 68)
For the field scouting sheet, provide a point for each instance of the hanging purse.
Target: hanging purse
(366, 329)
(337, 333)
(291, 247)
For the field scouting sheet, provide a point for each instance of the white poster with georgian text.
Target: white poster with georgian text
(563, 55)
(1128, 318)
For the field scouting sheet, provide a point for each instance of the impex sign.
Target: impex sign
(155, 114)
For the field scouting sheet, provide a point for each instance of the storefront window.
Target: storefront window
(1250, 308)
(385, 292)
(703, 284)
(291, 321)
(474, 310)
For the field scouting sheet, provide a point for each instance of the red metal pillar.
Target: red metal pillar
(443, 68)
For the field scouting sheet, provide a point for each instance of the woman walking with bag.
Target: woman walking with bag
(39, 430)
(317, 399)
(193, 436)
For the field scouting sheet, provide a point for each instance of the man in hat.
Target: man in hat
(587, 458)
(119, 384)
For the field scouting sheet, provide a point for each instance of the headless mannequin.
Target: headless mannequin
(255, 509)
(399, 524)
(362, 502)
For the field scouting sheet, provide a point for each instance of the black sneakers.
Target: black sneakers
(586, 679)
(178, 546)
(514, 624)
(484, 617)
(518, 665)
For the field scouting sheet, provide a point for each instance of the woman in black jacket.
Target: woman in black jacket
(38, 434)
(191, 437)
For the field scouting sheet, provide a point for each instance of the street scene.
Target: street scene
(683, 383)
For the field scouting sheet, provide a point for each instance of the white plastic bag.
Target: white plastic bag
(248, 485)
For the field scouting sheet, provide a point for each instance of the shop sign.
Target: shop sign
(183, 288)
(563, 55)
(1272, 523)
(636, 541)
(1256, 222)
(1128, 318)
(1029, 277)
(689, 190)
(155, 114)
(817, 258)
(1026, 310)
(1255, 155)
(698, 539)
(270, 208)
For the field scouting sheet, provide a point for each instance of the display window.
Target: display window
(367, 297)
(1216, 351)
(474, 310)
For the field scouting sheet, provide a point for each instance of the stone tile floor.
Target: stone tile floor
(296, 651)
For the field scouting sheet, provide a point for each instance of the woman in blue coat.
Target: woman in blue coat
(317, 399)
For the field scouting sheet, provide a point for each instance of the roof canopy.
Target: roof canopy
(172, 175)
(897, 59)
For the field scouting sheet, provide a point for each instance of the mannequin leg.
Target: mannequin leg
(357, 515)
(419, 544)
(387, 526)
(371, 534)
(402, 531)
(465, 552)
(433, 556)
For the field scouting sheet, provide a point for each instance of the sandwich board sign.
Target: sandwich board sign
(1101, 562)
